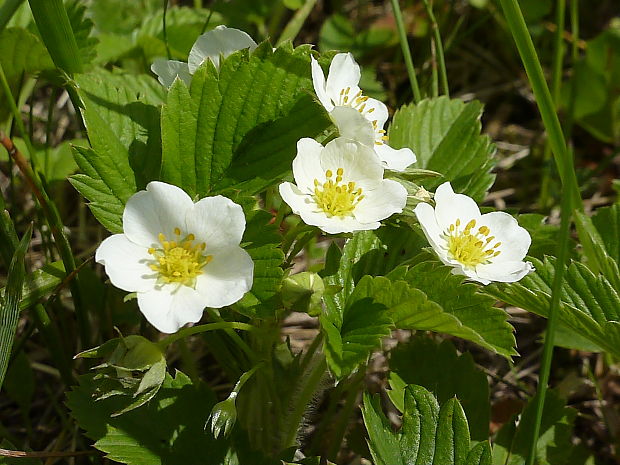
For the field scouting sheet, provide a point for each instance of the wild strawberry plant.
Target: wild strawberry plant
(241, 181)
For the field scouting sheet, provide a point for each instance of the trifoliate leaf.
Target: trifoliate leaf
(445, 136)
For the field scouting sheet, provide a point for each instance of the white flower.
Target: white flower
(357, 117)
(209, 46)
(177, 255)
(485, 248)
(340, 187)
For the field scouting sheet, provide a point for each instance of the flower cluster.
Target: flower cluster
(179, 256)
(340, 187)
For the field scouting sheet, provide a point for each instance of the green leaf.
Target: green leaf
(477, 318)
(55, 29)
(168, 430)
(240, 125)
(429, 435)
(338, 33)
(438, 368)
(364, 324)
(122, 119)
(82, 27)
(590, 305)
(352, 329)
(40, 283)
(9, 310)
(554, 445)
(20, 52)
(183, 26)
(607, 222)
(445, 136)
(261, 240)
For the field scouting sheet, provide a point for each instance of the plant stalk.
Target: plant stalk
(438, 49)
(186, 332)
(404, 44)
(571, 197)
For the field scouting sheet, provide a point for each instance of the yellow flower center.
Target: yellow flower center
(180, 260)
(358, 101)
(335, 198)
(471, 247)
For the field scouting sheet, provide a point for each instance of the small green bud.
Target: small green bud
(223, 416)
(303, 292)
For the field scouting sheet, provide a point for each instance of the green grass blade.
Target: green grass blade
(571, 196)
(55, 29)
(9, 313)
(7, 10)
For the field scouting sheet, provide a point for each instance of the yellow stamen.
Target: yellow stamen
(468, 246)
(178, 261)
(334, 198)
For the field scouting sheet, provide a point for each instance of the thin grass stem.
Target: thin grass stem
(570, 199)
(165, 30)
(296, 23)
(404, 44)
(186, 332)
(438, 49)
(556, 85)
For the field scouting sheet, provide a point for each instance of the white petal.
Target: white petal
(306, 165)
(504, 271)
(379, 113)
(217, 221)
(318, 81)
(338, 224)
(221, 40)
(359, 162)
(126, 263)
(450, 207)
(296, 199)
(168, 70)
(343, 72)
(389, 198)
(159, 209)
(393, 159)
(226, 278)
(428, 222)
(171, 306)
(515, 240)
(352, 125)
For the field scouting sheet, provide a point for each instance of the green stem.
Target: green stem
(165, 30)
(570, 198)
(51, 213)
(556, 84)
(438, 48)
(534, 71)
(186, 332)
(574, 24)
(311, 384)
(552, 323)
(296, 23)
(245, 377)
(234, 336)
(404, 44)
